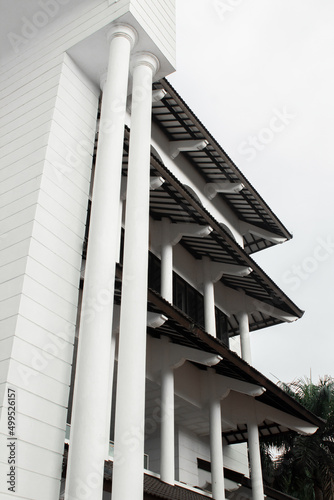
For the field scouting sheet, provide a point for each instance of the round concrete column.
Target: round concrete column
(209, 298)
(246, 353)
(166, 261)
(89, 438)
(216, 442)
(130, 397)
(167, 454)
(255, 460)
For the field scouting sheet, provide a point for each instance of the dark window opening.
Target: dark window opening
(188, 299)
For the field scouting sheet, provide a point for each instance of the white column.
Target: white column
(255, 461)
(90, 406)
(246, 353)
(167, 453)
(166, 261)
(130, 397)
(209, 298)
(216, 442)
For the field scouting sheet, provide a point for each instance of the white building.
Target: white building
(157, 381)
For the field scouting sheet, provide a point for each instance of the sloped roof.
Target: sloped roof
(182, 330)
(179, 122)
(175, 201)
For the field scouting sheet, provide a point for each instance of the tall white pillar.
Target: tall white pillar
(166, 261)
(209, 298)
(130, 397)
(167, 454)
(216, 442)
(255, 460)
(167, 451)
(90, 405)
(246, 353)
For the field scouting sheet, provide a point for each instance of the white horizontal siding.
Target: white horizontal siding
(36, 459)
(57, 343)
(236, 458)
(29, 355)
(30, 485)
(48, 258)
(157, 19)
(76, 27)
(48, 146)
(23, 377)
(19, 205)
(38, 408)
(15, 252)
(18, 192)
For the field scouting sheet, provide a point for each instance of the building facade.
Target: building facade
(128, 291)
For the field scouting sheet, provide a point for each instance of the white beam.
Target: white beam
(158, 94)
(218, 269)
(178, 355)
(245, 228)
(212, 188)
(175, 147)
(269, 310)
(237, 410)
(177, 231)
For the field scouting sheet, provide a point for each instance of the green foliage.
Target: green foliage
(304, 466)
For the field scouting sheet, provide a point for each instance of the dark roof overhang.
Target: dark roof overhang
(183, 331)
(178, 122)
(175, 201)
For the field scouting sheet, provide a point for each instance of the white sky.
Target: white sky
(241, 63)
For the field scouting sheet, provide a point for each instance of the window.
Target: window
(186, 298)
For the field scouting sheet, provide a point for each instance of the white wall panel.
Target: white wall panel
(58, 344)
(47, 148)
(51, 280)
(38, 460)
(53, 262)
(7, 326)
(58, 245)
(32, 431)
(19, 192)
(31, 485)
(158, 20)
(59, 229)
(11, 287)
(35, 381)
(6, 348)
(38, 408)
(15, 252)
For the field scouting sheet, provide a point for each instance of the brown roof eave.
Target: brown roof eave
(206, 134)
(216, 346)
(216, 226)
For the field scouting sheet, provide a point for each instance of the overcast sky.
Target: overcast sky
(260, 75)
